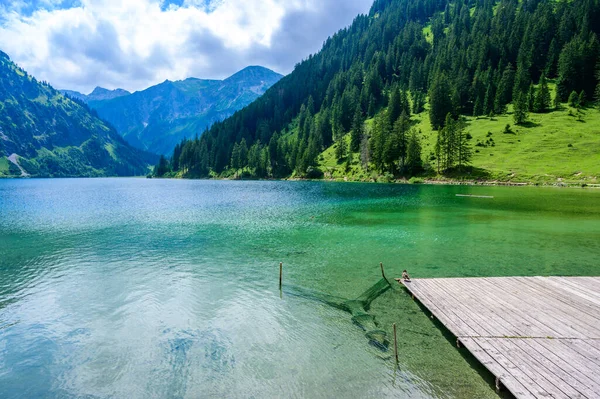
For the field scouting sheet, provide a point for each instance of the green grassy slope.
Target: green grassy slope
(553, 147)
(559, 146)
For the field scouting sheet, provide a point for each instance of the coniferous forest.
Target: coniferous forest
(455, 58)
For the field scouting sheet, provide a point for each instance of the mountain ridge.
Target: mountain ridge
(157, 118)
(98, 94)
(45, 134)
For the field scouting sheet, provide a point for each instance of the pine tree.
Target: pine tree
(340, 149)
(557, 103)
(582, 99)
(414, 163)
(379, 132)
(398, 144)
(531, 98)
(176, 155)
(521, 111)
(440, 103)
(162, 168)
(348, 164)
(243, 153)
(504, 93)
(448, 142)
(235, 157)
(522, 79)
(405, 104)
(203, 169)
(542, 96)
(574, 99)
(478, 107)
(462, 146)
(488, 101)
(357, 131)
(395, 106)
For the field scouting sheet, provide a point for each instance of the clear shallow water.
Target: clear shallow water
(135, 288)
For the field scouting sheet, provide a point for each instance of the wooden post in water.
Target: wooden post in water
(382, 272)
(280, 273)
(395, 343)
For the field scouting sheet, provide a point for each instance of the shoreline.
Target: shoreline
(423, 181)
(420, 181)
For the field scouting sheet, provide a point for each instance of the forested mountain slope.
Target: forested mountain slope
(45, 134)
(427, 76)
(158, 118)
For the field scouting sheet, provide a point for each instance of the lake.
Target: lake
(138, 288)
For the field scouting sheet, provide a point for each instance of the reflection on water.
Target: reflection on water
(148, 288)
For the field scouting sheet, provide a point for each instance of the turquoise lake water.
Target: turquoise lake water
(137, 288)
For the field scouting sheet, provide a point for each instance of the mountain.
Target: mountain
(157, 118)
(419, 87)
(98, 94)
(45, 134)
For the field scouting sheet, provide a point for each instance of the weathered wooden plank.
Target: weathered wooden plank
(446, 316)
(446, 297)
(491, 316)
(514, 385)
(577, 287)
(562, 367)
(585, 350)
(529, 362)
(568, 355)
(550, 312)
(559, 297)
(512, 368)
(565, 290)
(511, 314)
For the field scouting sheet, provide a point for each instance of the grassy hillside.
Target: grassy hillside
(559, 146)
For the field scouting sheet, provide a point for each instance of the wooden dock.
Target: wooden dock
(540, 336)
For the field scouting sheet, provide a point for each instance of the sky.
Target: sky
(134, 44)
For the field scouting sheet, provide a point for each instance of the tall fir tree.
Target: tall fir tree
(395, 106)
(414, 162)
(505, 89)
(448, 142)
(440, 103)
(531, 98)
(341, 148)
(162, 168)
(573, 99)
(398, 141)
(462, 146)
(542, 96)
(521, 108)
(357, 130)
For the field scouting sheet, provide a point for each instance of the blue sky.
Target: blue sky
(133, 44)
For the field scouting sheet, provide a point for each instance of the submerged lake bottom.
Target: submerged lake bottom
(137, 288)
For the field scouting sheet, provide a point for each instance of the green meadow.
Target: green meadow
(562, 146)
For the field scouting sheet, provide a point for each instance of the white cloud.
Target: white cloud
(136, 43)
